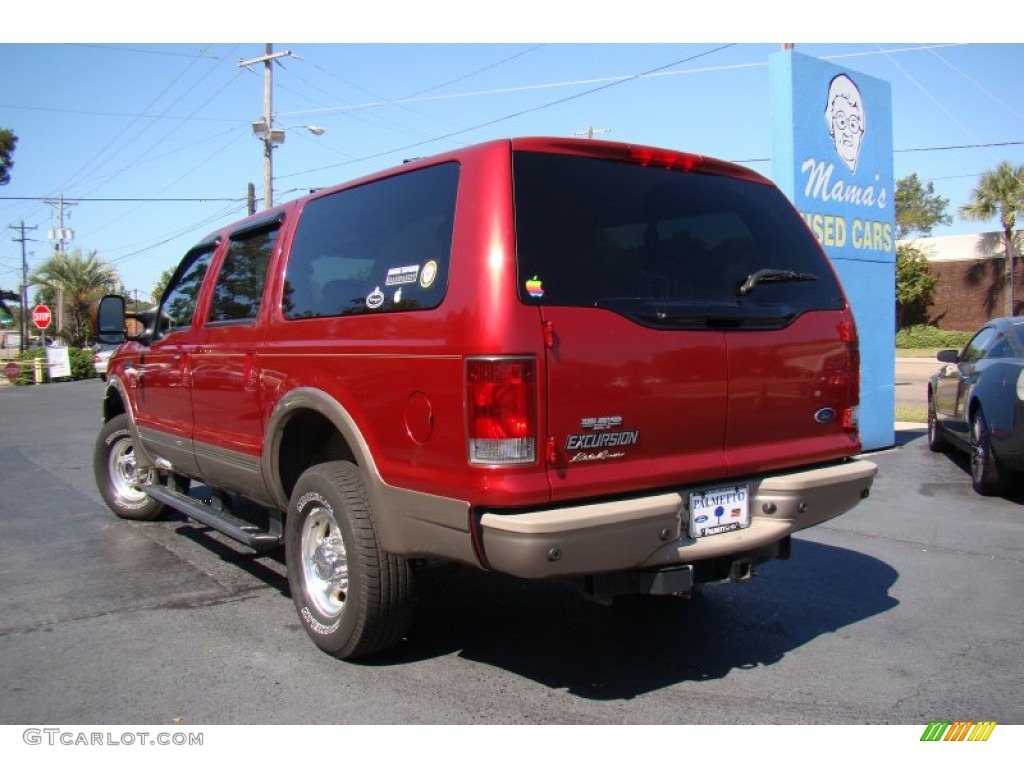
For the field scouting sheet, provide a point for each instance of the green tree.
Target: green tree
(918, 211)
(915, 285)
(7, 143)
(1000, 193)
(82, 279)
(7, 319)
(161, 284)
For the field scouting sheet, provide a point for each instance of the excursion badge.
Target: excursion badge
(603, 440)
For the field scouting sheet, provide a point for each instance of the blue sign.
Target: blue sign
(832, 155)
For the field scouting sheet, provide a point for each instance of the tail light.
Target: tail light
(851, 411)
(501, 399)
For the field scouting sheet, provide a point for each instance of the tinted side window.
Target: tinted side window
(975, 348)
(592, 232)
(1000, 348)
(239, 286)
(178, 304)
(379, 247)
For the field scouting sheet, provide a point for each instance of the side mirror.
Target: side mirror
(947, 356)
(109, 320)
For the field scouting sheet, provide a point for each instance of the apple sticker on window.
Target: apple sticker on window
(535, 287)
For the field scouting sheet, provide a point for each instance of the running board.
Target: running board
(220, 519)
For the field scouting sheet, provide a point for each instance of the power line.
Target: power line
(963, 146)
(101, 113)
(240, 200)
(134, 199)
(520, 113)
(419, 97)
(981, 145)
(129, 49)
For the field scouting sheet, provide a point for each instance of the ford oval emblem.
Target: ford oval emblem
(825, 415)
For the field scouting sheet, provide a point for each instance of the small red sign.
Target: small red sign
(12, 371)
(41, 317)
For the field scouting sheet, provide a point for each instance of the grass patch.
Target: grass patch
(909, 413)
(922, 352)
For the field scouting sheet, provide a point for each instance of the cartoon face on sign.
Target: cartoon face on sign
(844, 115)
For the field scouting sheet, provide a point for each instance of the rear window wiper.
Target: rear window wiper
(773, 276)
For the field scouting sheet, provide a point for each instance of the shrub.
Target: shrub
(81, 364)
(930, 337)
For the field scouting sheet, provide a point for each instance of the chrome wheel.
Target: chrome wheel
(125, 476)
(353, 598)
(324, 563)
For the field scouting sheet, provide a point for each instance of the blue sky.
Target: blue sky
(153, 143)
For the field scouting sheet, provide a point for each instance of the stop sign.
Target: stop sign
(12, 371)
(41, 316)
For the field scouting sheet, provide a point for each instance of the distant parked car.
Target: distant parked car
(976, 404)
(101, 354)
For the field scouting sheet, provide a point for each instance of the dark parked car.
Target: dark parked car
(976, 404)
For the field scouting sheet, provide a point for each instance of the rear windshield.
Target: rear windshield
(664, 246)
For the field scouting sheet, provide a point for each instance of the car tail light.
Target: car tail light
(851, 411)
(501, 399)
(660, 158)
(688, 162)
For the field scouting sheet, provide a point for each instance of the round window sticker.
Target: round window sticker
(375, 299)
(428, 274)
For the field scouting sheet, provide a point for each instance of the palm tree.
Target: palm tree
(1000, 192)
(82, 279)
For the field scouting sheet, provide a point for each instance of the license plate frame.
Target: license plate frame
(718, 509)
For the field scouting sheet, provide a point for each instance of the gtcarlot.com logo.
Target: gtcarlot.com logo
(70, 738)
(958, 730)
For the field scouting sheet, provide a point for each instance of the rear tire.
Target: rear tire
(353, 598)
(118, 476)
(986, 474)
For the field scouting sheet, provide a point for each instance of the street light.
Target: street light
(271, 137)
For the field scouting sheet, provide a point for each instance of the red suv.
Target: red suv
(629, 367)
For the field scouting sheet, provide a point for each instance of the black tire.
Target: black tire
(353, 598)
(117, 474)
(986, 474)
(936, 441)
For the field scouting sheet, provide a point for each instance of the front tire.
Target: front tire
(118, 475)
(353, 598)
(986, 475)
(936, 442)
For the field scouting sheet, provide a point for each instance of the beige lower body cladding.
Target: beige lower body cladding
(651, 532)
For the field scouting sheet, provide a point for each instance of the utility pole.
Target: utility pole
(23, 318)
(60, 234)
(265, 129)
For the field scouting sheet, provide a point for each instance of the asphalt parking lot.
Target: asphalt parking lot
(905, 610)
